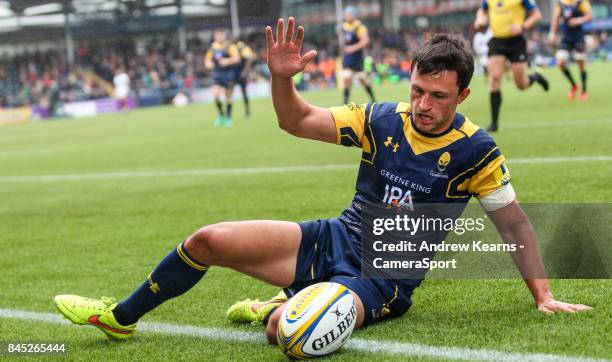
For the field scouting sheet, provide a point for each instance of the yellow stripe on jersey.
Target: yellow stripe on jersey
(490, 178)
(505, 13)
(469, 128)
(245, 51)
(346, 26)
(585, 5)
(350, 123)
(421, 144)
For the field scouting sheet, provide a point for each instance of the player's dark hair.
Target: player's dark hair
(445, 52)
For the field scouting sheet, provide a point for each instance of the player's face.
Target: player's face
(349, 17)
(434, 99)
(219, 36)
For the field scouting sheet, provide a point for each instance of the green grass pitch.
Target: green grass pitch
(96, 237)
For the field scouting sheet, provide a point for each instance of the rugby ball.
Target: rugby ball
(316, 321)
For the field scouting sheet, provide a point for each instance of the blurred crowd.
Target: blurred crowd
(159, 69)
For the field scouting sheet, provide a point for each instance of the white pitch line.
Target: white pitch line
(355, 344)
(256, 170)
(555, 124)
(536, 160)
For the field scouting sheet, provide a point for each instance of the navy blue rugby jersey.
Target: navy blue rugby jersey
(402, 166)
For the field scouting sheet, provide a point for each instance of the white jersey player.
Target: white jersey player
(481, 48)
(121, 81)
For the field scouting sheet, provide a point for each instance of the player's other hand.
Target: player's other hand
(552, 39)
(574, 22)
(551, 306)
(284, 58)
(516, 29)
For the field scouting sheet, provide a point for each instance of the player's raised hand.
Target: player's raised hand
(551, 306)
(284, 54)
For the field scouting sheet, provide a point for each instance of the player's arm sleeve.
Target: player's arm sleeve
(247, 53)
(485, 5)
(350, 123)
(529, 5)
(233, 51)
(362, 31)
(208, 56)
(557, 11)
(491, 182)
(585, 7)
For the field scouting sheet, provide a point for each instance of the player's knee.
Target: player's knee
(495, 83)
(522, 85)
(208, 242)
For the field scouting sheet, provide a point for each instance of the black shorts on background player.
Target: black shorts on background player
(514, 48)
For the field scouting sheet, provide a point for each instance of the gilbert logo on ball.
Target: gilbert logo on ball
(317, 321)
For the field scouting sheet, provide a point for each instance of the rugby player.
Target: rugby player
(356, 39)
(221, 58)
(508, 21)
(571, 15)
(242, 71)
(294, 255)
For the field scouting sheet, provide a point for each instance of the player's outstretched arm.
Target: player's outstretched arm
(515, 228)
(295, 115)
(481, 19)
(535, 16)
(554, 25)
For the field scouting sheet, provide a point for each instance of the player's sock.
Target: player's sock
(219, 107)
(370, 93)
(538, 78)
(583, 77)
(496, 100)
(245, 97)
(347, 93)
(173, 276)
(569, 76)
(229, 110)
(247, 107)
(267, 317)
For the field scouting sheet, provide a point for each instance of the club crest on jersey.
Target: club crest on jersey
(441, 166)
(389, 142)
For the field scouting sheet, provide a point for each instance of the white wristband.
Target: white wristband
(498, 198)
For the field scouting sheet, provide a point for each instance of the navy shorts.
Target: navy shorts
(354, 63)
(224, 78)
(329, 253)
(573, 44)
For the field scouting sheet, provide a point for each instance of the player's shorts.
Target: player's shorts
(328, 252)
(238, 79)
(514, 48)
(224, 78)
(122, 92)
(567, 46)
(352, 62)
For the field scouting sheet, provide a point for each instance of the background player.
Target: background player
(356, 39)
(243, 69)
(121, 81)
(221, 57)
(281, 253)
(571, 15)
(508, 20)
(480, 43)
